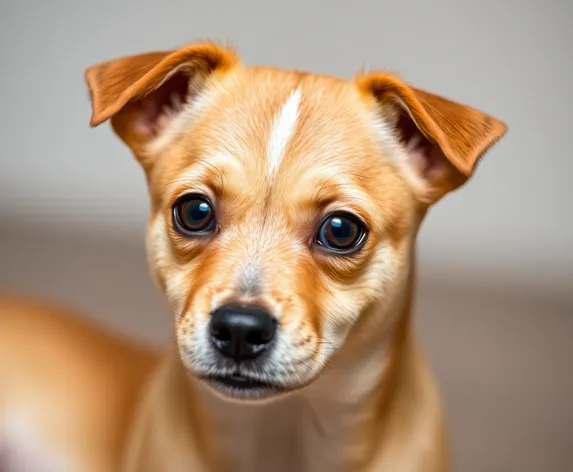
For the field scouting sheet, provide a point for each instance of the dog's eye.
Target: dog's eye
(193, 214)
(341, 232)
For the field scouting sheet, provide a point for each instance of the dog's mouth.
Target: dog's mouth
(241, 386)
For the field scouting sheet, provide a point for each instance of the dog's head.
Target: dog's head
(284, 205)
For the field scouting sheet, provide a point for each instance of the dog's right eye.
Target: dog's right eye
(193, 215)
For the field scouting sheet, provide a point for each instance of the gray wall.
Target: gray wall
(511, 58)
(496, 258)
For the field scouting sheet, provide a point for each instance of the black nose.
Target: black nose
(242, 331)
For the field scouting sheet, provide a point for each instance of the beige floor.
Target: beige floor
(504, 360)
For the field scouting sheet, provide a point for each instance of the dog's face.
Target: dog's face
(278, 197)
(284, 204)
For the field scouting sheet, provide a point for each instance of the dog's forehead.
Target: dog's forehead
(267, 126)
(286, 117)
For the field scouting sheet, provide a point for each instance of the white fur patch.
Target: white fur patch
(283, 128)
(20, 449)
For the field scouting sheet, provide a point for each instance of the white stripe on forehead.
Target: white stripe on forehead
(283, 128)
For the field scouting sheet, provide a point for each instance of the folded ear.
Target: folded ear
(143, 93)
(442, 141)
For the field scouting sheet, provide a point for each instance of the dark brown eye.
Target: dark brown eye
(193, 214)
(341, 232)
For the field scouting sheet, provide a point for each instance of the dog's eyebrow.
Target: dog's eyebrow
(193, 172)
(342, 184)
(207, 172)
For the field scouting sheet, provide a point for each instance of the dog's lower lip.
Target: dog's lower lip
(241, 382)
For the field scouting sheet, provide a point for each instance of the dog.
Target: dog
(285, 207)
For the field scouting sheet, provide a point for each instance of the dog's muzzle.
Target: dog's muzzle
(241, 335)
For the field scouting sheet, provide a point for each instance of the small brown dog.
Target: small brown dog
(284, 213)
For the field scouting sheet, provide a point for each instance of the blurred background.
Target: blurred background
(495, 303)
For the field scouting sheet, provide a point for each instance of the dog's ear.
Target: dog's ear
(142, 93)
(442, 140)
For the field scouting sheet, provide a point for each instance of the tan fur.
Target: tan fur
(359, 395)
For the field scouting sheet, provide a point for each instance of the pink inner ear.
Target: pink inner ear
(162, 105)
(428, 157)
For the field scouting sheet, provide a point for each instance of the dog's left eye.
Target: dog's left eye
(193, 214)
(341, 232)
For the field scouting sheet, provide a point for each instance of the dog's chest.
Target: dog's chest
(284, 438)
